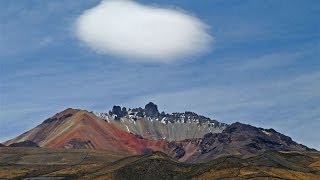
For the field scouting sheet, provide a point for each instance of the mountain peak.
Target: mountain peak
(151, 110)
(62, 115)
(246, 140)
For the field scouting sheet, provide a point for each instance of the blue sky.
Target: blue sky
(263, 67)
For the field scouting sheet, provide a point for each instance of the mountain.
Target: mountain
(186, 137)
(80, 129)
(245, 140)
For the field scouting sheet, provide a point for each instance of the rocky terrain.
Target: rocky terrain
(246, 140)
(44, 163)
(26, 143)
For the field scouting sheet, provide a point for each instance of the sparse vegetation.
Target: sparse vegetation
(17, 163)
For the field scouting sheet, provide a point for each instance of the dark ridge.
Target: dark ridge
(61, 116)
(64, 117)
(1, 145)
(26, 143)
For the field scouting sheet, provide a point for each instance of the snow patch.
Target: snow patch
(127, 128)
(267, 133)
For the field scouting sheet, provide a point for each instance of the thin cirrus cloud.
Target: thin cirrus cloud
(125, 28)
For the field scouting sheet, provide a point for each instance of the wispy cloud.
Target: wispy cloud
(142, 33)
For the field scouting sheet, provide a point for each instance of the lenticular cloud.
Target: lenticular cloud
(128, 29)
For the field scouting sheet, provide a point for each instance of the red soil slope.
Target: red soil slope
(81, 129)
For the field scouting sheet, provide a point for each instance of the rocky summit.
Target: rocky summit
(150, 124)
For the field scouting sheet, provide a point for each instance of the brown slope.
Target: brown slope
(42, 131)
(44, 163)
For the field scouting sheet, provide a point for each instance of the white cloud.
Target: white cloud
(145, 33)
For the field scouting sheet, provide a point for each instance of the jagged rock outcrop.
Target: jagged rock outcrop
(151, 110)
(116, 110)
(150, 124)
(178, 149)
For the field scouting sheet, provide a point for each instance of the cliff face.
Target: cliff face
(150, 124)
